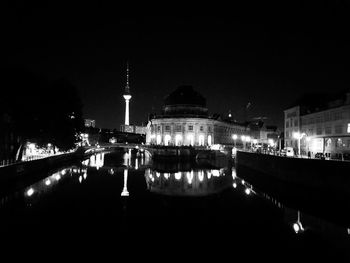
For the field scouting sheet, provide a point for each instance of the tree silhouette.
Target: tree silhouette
(40, 111)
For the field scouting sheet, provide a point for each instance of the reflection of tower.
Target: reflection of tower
(125, 189)
(127, 96)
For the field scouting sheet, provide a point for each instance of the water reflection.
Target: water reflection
(125, 186)
(129, 172)
(177, 178)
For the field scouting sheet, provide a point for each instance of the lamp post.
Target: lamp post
(234, 137)
(298, 136)
(243, 141)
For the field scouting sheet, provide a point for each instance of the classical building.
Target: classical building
(322, 128)
(185, 121)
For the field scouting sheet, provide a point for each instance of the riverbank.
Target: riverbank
(320, 187)
(17, 175)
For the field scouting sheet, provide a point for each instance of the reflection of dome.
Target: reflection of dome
(185, 100)
(189, 183)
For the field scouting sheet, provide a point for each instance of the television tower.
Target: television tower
(127, 95)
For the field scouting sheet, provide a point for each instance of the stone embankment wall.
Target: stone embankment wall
(327, 175)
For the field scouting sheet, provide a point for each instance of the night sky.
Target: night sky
(265, 55)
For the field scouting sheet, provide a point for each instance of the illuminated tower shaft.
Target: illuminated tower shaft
(127, 99)
(127, 96)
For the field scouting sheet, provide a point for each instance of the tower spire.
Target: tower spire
(127, 87)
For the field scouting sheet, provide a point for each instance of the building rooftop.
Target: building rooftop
(185, 95)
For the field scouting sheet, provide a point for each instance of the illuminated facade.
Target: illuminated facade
(185, 121)
(322, 130)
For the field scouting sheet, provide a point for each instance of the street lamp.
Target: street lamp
(298, 136)
(247, 138)
(243, 141)
(234, 137)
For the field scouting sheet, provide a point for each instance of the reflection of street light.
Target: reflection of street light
(297, 226)
(125, 189)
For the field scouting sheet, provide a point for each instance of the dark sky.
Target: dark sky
(265, 55)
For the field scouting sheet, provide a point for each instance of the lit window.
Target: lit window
(348, 128)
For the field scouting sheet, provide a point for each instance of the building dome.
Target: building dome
(185, 101)
(185, 95)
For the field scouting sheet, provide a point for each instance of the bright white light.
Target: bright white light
(209, 140)
(80, 179)
(215, 147)
(255, 141)
(243, 181)
(63, 172)
(47, 182)
(31, 146)
(58, 177)
(247, 191)
(234, 136)
(190, 138)
(157, 174)
(178, 176)
(178, 139)
(209, 174)
(271, 142)
(297, 227)
(167, 139)
(49, 145)
(215, 173)
(189, 177)
(201, 139)
(201, 176)
(159, 139)
(85, 175)
(30, 191)
(243, 138)
(234, 185)
(234, 174)
(166, 176)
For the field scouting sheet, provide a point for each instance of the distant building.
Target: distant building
(264, 134)
(323, 128)
(185, 121)
(133, 129)
(89, 123)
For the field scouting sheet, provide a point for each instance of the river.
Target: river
(123, 201)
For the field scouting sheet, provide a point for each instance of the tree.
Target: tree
(41, 111)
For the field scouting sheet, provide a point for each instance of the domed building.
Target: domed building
(185, 121)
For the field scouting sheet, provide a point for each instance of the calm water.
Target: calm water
(123, 204)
